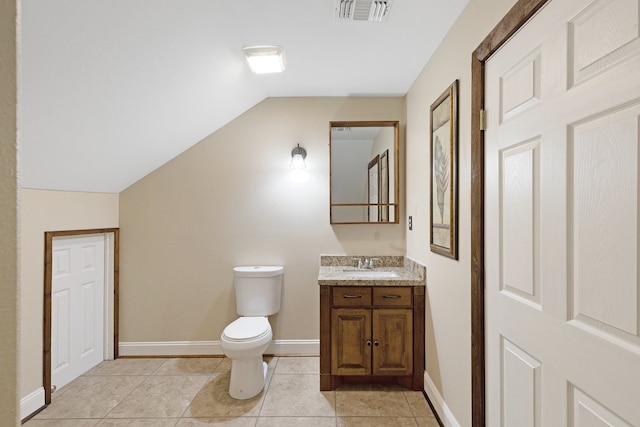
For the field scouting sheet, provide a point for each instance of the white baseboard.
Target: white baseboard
(294, 348)
(445, 414)
(169, 348)
(31, 403)
(212, 348)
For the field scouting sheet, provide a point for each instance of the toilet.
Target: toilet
(258, 290)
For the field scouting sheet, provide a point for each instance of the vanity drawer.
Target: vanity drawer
(392, 296)
(355, 296)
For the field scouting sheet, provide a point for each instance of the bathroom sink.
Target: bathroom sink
(369, 273)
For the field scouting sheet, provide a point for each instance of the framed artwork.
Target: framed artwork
(444, 173)
(384, 186)
(373, 181)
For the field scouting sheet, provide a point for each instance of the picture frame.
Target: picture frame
(444, 173)
(373, 184)
(384, 186)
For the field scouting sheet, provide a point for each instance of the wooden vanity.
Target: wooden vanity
(371, 330)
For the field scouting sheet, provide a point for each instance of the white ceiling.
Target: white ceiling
(111, 90)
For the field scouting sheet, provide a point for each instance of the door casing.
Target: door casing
(113, 240)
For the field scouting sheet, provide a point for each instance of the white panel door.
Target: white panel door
(77, 307)
(562, 225)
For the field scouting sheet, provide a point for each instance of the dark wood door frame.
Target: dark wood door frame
(519, 14)
(48, 258)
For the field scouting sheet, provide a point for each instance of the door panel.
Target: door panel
(521, 386)
(603, 158)
(393, 341)
(77, 327)
(561, 218)
(351, 341)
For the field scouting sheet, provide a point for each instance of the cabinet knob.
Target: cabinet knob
(376, 343)
(369, 343)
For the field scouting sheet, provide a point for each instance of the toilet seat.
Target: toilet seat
(245, 329)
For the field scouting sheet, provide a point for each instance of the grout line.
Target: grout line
(146, 377)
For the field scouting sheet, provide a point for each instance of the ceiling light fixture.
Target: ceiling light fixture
(264, 59)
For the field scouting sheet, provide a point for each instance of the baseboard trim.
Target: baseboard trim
(31, 403)
(212, 348)
(294, 348)
(443, 411)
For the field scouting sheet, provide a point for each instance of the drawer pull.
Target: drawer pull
(352, 296)
(391, 296)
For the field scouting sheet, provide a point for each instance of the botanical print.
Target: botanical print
(384, 186)
(443, 173)
(441, 170)
(441, 187)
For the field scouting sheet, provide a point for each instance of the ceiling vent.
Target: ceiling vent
(363, 10)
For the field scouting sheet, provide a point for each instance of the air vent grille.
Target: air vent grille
(363, 10)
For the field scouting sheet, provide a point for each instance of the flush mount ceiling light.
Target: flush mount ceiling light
(264, 59)
(363, 10)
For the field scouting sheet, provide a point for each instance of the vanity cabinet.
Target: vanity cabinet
(372, 334)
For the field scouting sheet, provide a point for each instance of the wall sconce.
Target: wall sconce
(298, 155)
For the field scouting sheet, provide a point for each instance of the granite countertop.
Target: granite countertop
(340, 272)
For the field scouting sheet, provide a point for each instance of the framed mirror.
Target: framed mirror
(364, 172)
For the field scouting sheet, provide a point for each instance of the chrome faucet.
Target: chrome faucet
(367, 263)
(370, 263)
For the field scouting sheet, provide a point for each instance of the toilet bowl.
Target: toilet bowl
(258, 291)
(244, 341)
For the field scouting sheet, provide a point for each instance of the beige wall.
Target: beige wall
(448, 334)
(229, 201)
(8, 215)
(41, 211)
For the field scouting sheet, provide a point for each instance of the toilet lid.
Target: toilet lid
(246, 329)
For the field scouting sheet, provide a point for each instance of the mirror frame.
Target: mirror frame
(384, 209)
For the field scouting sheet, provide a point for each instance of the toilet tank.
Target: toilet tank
(258, 289)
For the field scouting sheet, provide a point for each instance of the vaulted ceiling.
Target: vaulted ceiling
(111, 90)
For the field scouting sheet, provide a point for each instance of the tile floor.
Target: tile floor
(193, 392)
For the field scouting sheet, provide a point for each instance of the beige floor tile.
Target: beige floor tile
(213, 400)
(98, 366)
(61, 423)
(160, 396)
(296, 422)
(297, 396)
(189, 366)
(376, 403)
(418, 404)
(128, 367)
(376, 421)
(194, 392)
(298, 365)
(227, 422)
(139, 422)
(91, 397)
(427, 422)
(224, 367)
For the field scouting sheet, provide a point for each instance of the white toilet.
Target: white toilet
(258, 290)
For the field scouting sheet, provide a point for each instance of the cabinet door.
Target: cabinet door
(351, 341)
(393, 341)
